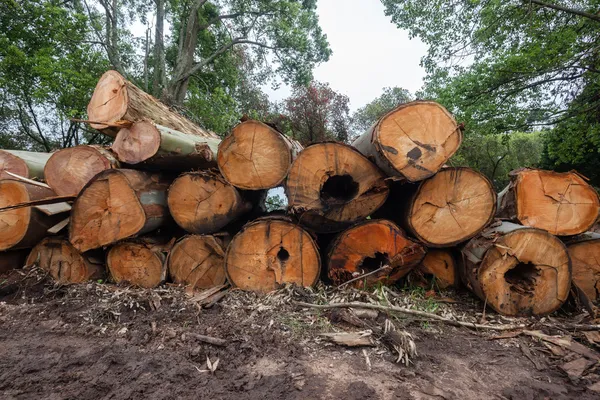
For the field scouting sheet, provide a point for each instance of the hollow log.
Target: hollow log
(69, 170)
(203, 202)
(255, 156)
(118, 204)
(197, 261)
(22, 228)
(153, 145)
(63, 262)
(138, 262)
(517, 270)
(438, 269)
(413, 141)
(13, 259)
(270, 252)
(374, 245)
(27, 164)
(331, 186)
(562, 203)
(117, 99)
(585, 259)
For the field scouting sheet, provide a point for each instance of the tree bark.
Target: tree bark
(255, 156)
(69, 170)
(27, 164)
(516, 270)
(562, 203)
(413, 141)
(585, 258)
(13, 259)
(438, 269)
(160, 76)
(138, 262)
(331, 186)
(118, 204)
(374, 245)
(270, 252)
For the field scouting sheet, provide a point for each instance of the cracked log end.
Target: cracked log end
(110, 100)
(138, 263)
(269, 253)
(585, 257)
(11, 163)
(438, 268)
(369, 246)
(137, 143)
(197, 261)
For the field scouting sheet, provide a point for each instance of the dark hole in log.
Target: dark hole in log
(339, 189)
(283, 255)
(522, 277)
(370, 264)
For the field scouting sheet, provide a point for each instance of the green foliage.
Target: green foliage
(275, 202)
(366, 116)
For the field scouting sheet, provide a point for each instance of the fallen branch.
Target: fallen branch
(207, 339)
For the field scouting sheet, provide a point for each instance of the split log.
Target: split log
(69, 170)
(438, 268)
(203, 202)
(255, 156)
(331, 186)
(197, 261)
(517, 270)
(158, 146)
(585, 258)
(13, 259)
(413, 141)
(377, 249)
(64, 263)
(27, 164)
(138, 262)
(270, 252)
(562, 203)
(118, 204)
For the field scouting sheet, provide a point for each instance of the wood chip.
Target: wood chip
(350, 339)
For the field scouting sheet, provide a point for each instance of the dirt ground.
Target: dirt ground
(100, 341)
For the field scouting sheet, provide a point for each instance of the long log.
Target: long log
(118, 204)
(517, 270)
(27, 164)
(138, 262)
(585, 258)
(13, 259)
(438, 269)
(562, 203)
(377, 249)
(331, 186)
(413, 141)
(255, 156)
(153, 145)
(69, 170)
(270, 252)
(64, 263)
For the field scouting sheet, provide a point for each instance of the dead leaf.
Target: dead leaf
(212, 366)
(576, 368)
(593, 337)
(567, 343)
(595, 387)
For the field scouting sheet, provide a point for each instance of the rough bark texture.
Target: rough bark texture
(138, 262)
(118, 204)
(331, 185)
(64, 263)
(438, 269)
(585, 259)
(13, 259)
(255, 156)
(69, 170)
(271, 252)
(517, 270)
(413, 141)
(27, 164)
(562, 203)
(370, 246)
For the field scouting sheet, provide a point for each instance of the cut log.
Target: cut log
(138, 262)
(375, 245)
(13, 259)
(270, 252)
(562, 203)
(117, 99)
(69, 170)
(413, 141)
(118, 204)
(27, 164)
(255, 156)
(585, 258)
(331, 186)
(63, 262)
(438, 269)
(203, 202)
(198, 262)
(23, 227)
(517, 270)
(158, 146)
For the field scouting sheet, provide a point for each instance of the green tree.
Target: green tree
(366, 116)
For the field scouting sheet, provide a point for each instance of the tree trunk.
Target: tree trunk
(438, 269)
(413, 141)
(23, 227)
(69, 170)
(330, 186)
(27, 164)
(255, 156)
(116, 99)
(160, 76)
(562, 203)
(202, 202)
(63, 262)
(159, 146)
(585, 258)
(198, 262)
(517, 270)
(270, 252)
(138, 262)
(370, 246)
(117, 204)
(13, 259)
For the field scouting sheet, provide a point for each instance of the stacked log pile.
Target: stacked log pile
(170, 201)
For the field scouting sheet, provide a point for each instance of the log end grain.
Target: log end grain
(136, 263)
(197, 261)
(585, 257)
(11, 163)
(110, 100)
(13, 223)
(438, 269)
(137, 143)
